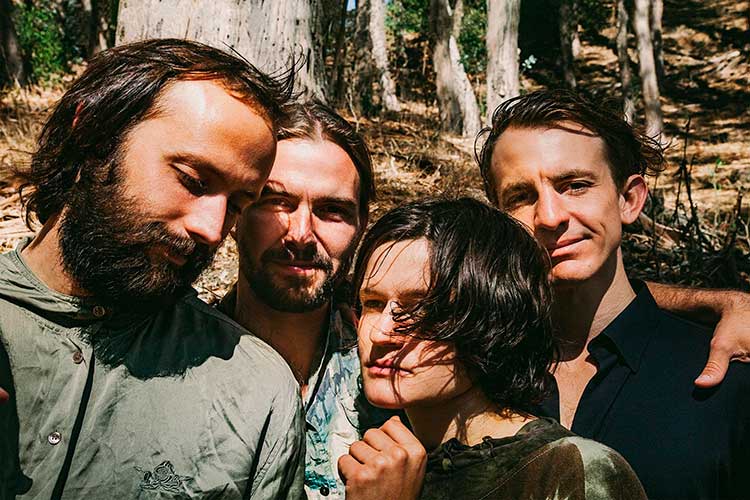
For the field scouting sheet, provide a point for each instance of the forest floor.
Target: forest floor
(706, 50)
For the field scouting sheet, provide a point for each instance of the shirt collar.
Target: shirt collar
(630, 332)
(24, 287)
(340, 336)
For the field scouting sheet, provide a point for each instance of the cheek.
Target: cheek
(336, 239)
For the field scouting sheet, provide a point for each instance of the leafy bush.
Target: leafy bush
(42, 38)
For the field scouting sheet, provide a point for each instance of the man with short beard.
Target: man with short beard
(295, 247)
(124, 384)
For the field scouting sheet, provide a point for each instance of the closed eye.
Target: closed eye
(194, 185)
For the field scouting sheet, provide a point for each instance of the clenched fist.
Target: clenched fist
(388, 463)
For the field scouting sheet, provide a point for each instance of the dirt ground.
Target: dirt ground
(706, 47)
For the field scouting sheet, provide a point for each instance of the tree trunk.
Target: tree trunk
(361, 77)
(98, 13)
(339, 58)
(10, 51)
(623, 60)
(568, 27)
(459, 111)
(647, 66)
(270, 34)
(502, 52)
(380, 55)
(657, 11)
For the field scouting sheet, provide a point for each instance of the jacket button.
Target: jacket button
(54, 438)
(78, 357)
(324, 490)
(99, 311)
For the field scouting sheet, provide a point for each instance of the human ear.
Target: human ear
(632, 198)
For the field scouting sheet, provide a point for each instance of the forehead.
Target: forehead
(397, 267)
(202, 120)
(314, 168)
(523, 153)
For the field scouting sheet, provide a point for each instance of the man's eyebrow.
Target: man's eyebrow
(336, 200)
(275, 188)
(199, 163)
(574, 173)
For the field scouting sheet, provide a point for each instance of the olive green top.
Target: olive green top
(542, 461)
(178, 403)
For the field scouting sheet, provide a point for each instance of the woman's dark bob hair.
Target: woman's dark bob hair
(488, 294)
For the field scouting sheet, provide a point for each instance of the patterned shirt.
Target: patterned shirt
(336, 410)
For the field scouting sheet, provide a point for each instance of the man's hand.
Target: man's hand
(4, 397)
(731, 340)
(388, 464)
(729, 311)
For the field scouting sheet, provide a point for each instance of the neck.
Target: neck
(43, 256)
(583, 310)
(468, 417)
(296, 336)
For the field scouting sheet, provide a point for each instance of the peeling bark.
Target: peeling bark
(380, 55)
(502, 52)
(270, 34)
(649, 85)
(459, 111)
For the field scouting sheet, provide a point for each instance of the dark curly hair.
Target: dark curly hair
(628, 151)
(119, 89)
(314, 120)
(488, 294)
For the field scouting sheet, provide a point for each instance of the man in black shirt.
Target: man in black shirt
(573, 172)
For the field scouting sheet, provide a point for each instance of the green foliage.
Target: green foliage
(413, 16)
(408, 16)
(472, 39)
(41, 36)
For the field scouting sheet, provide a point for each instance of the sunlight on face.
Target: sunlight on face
(401, 371)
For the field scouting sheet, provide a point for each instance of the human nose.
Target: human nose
(383, 329)
(300, 230)
(550, 211)
(207, 221)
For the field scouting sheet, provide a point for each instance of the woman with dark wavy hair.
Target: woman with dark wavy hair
(455, 329)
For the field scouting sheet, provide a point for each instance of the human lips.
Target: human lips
(384, 367)
(297, 266)
(563, 246)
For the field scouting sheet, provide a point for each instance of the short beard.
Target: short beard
(104, 244)
(292, 296)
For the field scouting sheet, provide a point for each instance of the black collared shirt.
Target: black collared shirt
(682, 442)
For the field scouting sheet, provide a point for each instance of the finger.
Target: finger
(363, 452)
(714, 372)
(347, 466)
(398, 432)
(3, 396)
(378, 439)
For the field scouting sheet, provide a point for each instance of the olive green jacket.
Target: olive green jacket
(179, 403)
